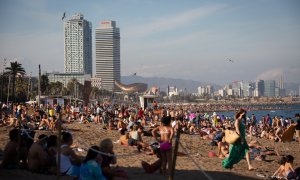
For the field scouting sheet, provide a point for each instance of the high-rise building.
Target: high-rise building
(259, 88)
(281, 83)
(269, 88)
(281, 87)
(108, 54)
(236, 87)
(206, 90)
(78, 45)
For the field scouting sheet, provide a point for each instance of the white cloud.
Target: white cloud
(171, 22)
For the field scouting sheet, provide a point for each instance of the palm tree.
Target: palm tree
(15, 70)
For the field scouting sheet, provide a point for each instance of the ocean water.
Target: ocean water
(275, 110)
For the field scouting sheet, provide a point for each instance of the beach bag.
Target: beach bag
(231, 136)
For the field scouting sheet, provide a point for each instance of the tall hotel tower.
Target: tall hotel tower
(108, 54)
(78, 45)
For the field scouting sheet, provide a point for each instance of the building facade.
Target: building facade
(65, 78)
(96, 82)
(269, 88)
(107, 38)
(78, 45)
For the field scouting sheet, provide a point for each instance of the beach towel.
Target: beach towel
(288, 134)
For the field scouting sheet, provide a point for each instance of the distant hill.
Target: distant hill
(190, 85)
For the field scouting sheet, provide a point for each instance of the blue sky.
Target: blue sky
(165, 38)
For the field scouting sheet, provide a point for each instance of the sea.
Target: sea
(286, 111)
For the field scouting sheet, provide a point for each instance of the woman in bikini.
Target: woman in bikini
(166, 134)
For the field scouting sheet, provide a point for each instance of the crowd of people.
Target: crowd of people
(162, 123)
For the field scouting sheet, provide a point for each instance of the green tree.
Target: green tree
(15, 70)
(21, 89)
(71, 85)
(55, 88)
(44, 83)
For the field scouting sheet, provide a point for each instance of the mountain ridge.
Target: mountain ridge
(163, 82)
(190, 85)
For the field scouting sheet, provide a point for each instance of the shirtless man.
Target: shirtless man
(37, 156)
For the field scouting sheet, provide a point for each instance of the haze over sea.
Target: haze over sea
(274, 110)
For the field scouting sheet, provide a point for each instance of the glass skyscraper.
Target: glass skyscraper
(269, 88)
(78, 45)
(107, 38)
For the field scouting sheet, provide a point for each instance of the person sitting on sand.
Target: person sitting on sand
(192, 128)
(289, 171)
(43, 122)
(223, 147)
(12, 121)
(52, 123)
(52, 151)
(166, 134)
(69, 161)
(135, 134)
(121, 125)
(90, 167)
(37, 156)
(106, 146)
(10, 160)
(124, 138)
(151, 168)
(279, 173)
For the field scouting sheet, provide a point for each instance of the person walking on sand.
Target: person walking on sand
(240, 148)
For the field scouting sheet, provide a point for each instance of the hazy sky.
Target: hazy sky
(165, 38)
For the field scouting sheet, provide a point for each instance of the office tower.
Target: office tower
(108, 54)
(281, 83)
(78, 45)
(281, 87)
(259, 88)
(269, 88)
(236, 87)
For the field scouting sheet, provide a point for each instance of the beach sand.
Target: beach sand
(86, 135)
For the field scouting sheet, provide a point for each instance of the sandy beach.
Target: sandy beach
(187, 166)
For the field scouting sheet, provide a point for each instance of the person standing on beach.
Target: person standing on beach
(298, 126)
(166, 134)
(240, 148)
(252, 126)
